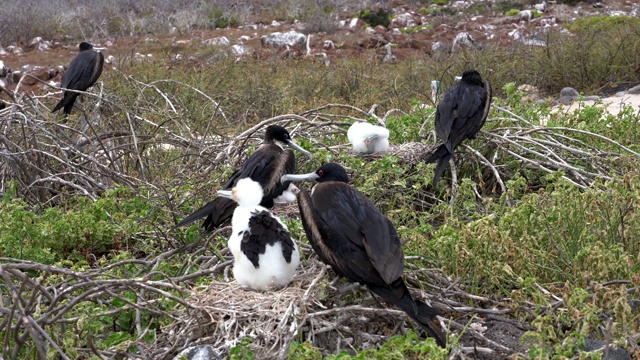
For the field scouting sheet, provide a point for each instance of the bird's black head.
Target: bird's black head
(332, 172)
(85, 46)
(472, 77)
(276, 133)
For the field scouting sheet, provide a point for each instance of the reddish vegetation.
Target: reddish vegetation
(490, 28)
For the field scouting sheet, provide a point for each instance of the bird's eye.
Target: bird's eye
(321, 172)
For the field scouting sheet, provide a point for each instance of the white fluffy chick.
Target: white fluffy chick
(288, 196)
(264, 254)
(368, 138)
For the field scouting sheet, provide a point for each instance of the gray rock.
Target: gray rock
(15, 49)
(464, 40)
(526, 15)
(39, 44)
(200, 352)
(239, 50)
(613, 352)
(16, 76)
(328, 45)
(388, 57)
(634, 90)
(278, 39)
(439, 46)
(405, 20)
(218, 41)
(567, 96)
(569, 92)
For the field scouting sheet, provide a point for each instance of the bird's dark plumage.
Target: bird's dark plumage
(265, 230)
(265, 166)
(460, 114)
(348, 232)
(82, 73)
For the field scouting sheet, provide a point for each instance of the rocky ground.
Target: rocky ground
(472, 23)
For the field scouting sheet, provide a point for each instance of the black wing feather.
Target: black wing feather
(261, 166)
(265, 230)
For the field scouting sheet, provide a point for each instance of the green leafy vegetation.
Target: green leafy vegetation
(377, 17)
(512, 12)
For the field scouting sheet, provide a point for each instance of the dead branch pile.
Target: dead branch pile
(38, 301)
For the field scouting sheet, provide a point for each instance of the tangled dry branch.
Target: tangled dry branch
(37, 303)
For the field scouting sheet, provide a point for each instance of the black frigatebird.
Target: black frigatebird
(265, 166)
(460, 114)
(350, 234)
(264, 254)
(81, 74)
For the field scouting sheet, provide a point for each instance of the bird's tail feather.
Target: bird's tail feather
(59, 106)
(443, 156)
(216, 211)
(427, 320)
(398, 294)
(438, 154)
(440, 167)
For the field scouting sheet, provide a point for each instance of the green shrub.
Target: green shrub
(81, 228)
(379, 17)
(512, 12)
(221, 20)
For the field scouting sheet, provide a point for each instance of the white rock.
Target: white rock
(240, 50)
(405, 20)
(328, 44)
(464, 40)
(36, 40)
(278, 39)
(218, 41)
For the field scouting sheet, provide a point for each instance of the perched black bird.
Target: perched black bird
(349, 233)
(265, 166)
(459, 116)
(81, 74)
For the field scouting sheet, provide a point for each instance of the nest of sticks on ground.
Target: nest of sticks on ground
(331, 313)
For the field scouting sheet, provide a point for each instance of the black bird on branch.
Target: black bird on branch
(460, 114)
(349, 233)
(82, 73)
(265, 166)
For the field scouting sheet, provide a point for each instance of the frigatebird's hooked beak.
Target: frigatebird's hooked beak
(227, 194)
(297, 147)
(302, 177)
